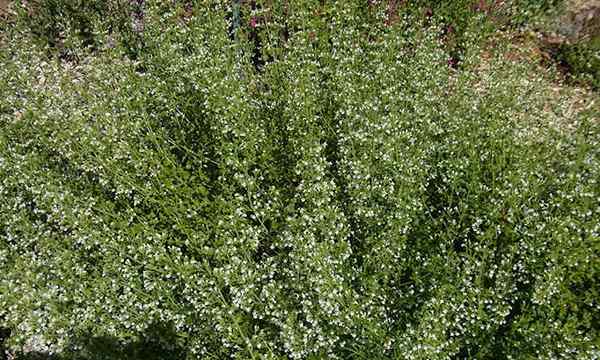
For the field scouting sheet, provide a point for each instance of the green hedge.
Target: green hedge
(320, 185)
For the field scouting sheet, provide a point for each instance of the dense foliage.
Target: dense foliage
(582, 60)
(325, 181)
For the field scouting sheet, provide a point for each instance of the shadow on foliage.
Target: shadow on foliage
(158, 342)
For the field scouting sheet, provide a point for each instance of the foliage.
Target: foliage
(582, 59)
(318, 183)
(73, 25)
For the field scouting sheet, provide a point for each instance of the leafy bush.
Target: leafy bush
(522, 12)
(582, 60)
(69, 26)
(350, 195)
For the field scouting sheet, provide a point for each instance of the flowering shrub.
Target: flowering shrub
(317, 183)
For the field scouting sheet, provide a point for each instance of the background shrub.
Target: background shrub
(582, 60)
(68, 27)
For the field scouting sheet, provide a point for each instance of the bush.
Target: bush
(348, 196)
(73, 25)
(582, 60)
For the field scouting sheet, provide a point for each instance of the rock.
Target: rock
(581, 20)
(575, 42)
(3, 7)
